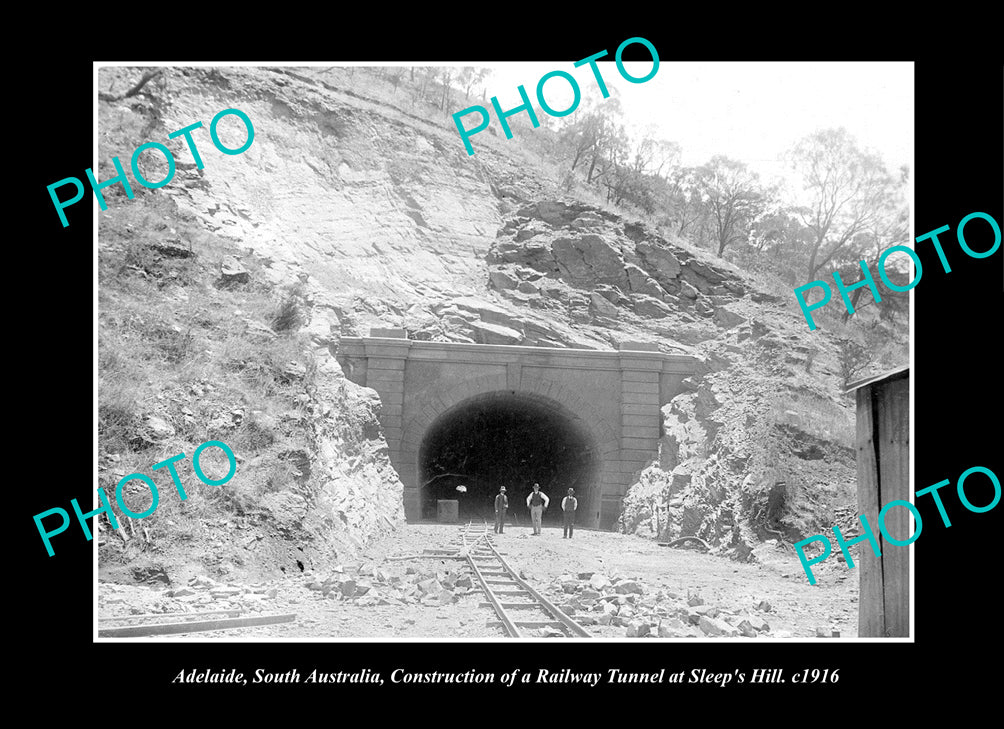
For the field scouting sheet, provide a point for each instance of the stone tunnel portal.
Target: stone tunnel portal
(510, 414)
(512, 439)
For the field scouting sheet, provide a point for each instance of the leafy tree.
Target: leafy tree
(733, 197)
(849, 191)
(469, 77)
(595, 136)
(888, 229)
(685, 211)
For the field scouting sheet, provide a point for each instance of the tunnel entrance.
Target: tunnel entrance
(509, 439)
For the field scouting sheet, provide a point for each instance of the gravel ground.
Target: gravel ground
(379, 596)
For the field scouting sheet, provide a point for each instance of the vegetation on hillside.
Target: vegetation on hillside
(189, 354)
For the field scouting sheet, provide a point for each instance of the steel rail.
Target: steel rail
(507, 624)
(511, 627)
(546, 604)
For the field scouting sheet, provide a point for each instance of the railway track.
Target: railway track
(518, 606)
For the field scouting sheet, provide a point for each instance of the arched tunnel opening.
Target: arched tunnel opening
(508, 439)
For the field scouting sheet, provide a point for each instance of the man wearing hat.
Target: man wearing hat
(501, 504)
(568, 506)
(537, 501)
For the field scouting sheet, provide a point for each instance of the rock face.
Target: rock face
(591, 267)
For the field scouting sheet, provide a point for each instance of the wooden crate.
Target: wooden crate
(448, 511)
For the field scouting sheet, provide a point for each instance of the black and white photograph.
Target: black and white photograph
(463, 373)
(544, 380)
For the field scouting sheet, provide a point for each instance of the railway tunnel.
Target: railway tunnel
(481, 416)
(511, 439)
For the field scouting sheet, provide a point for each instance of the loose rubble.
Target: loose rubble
(598, 601)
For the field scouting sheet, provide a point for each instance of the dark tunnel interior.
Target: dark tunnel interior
(507, 439)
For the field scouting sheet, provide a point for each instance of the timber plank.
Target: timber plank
(871, 622)
(894, 475)
(134, 631)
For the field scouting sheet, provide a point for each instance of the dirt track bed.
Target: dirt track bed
(377, 597)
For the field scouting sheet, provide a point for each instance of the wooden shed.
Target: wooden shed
(883, 458)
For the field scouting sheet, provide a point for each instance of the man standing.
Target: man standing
(568, 506)
(537, 501)
(501, 504)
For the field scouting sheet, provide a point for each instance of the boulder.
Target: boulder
(660, 261)
(641, 283)
(637, 629)
(501, 280)
(231, 271)
(589, 258)
(727, 319)
(715, 627)
(487, 333)
(599, 582)
(645, 305)
(602, 306)
(156, 429)
(430, 586)
(687, 291)
(626, 586)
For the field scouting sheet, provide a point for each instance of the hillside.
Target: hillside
(223, 296)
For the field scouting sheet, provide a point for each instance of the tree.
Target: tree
(849, 191)
(595, 135)
(469, 77)
(734, 199)
(684, 208)
(445, 75)
(886, 230)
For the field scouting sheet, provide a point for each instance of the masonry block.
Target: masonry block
(649, 388)
(638, 398)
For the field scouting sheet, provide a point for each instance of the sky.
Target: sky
(750, 111)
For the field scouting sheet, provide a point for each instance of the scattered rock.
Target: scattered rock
(715, 627)
(626, 586)
(710, 610)
(637, 629)
(599, 582)
(231, 271)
